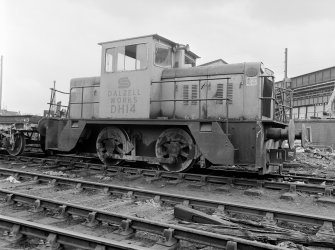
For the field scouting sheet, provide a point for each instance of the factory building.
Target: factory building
(311, 93)
(313, 105)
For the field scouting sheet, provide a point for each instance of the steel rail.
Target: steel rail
(328, 189)
(127, 223)
(137, 193)
(19, 227)
(148, 172)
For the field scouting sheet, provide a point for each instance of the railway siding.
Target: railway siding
(172, 198)
(285, 182)
(128, 225)
(52, 237)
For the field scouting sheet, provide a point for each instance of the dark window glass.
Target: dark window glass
(163, 56)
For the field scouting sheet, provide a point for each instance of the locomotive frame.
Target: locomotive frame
(152, 104)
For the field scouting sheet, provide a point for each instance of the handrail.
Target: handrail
(82, 97)
(83, 102)
(52, 98)
(192, 80)
(199, 100)
(52, 103)
(52, 89)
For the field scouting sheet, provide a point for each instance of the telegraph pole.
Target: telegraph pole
(1, 83)
(287, 85)
(285, 63)
(287, 81)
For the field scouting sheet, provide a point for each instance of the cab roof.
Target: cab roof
(157, 37)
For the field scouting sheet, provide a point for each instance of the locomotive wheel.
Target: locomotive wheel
(177, 143)
(111, 140)
(18, 145)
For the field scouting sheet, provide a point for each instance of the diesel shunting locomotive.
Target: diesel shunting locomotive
(152, 104)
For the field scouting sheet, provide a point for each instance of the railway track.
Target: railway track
(127, 226)
(288, 182)
(14, 229)
(322, 224)
(137, 193)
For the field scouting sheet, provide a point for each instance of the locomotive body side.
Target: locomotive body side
(206, 92)
(151, 104)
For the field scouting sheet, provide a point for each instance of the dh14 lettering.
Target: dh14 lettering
(123, 101)
(123, 108)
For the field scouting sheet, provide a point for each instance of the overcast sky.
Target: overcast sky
(46, 40)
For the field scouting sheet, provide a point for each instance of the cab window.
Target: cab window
(126, 58)
(163, 56)
(267, 92)
(109, 59)
(132, 57)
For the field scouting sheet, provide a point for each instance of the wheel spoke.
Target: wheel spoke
(119, 149)
(111, 140)
(184, 154)
(177, 142)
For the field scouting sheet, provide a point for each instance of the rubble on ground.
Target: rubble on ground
(12, 179)
(315, 161)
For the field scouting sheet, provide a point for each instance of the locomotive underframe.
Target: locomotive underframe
(245, 144)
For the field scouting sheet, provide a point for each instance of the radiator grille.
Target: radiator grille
(185, 94)
(219, 93)
(230, 92)
(194, 94)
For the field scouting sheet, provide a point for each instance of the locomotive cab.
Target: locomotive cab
(128, 68)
